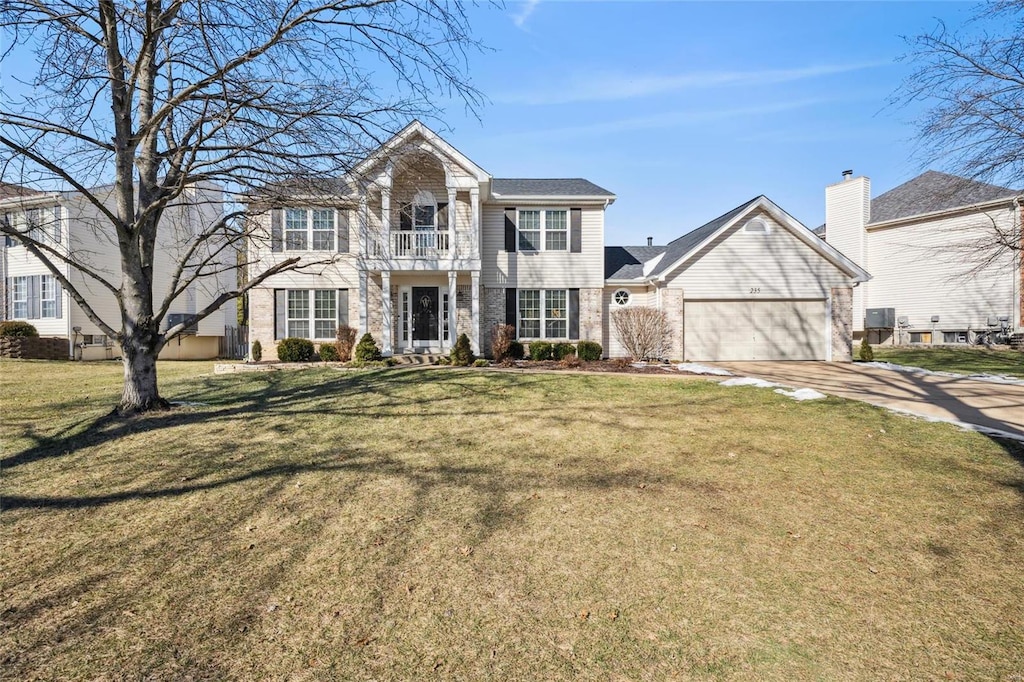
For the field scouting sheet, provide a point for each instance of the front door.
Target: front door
(425, 314)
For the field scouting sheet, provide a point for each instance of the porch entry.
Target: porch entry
(424, 319)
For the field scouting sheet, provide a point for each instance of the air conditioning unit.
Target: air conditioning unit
(174, 319)
(880, 318)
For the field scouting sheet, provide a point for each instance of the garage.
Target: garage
(755, 330)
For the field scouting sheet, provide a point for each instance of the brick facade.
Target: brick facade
(261, 321)
(842, 324)
(673, 304)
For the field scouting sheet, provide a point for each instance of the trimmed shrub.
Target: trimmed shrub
(589, 351)
(345, 341)
(503, 337)
(296, 350)
(541, 350)
(481, 362)
(462, 354)
(866, 353)
(367, 350)
(17, 328)
(257, 351)
(570, 362)
(328, 353)
(516, 350)
(561, 351)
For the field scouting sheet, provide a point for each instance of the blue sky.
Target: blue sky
(687, 109)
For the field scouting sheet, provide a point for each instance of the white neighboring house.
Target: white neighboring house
(70, 224)
(922, 242)
(420, 244)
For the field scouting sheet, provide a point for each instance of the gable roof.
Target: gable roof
(690, 244)
(627, 262)
(547, 187)
(10, 191)
(680, 248)
(431, 138)
(932, 192)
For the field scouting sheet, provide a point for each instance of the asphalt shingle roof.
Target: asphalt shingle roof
(8, 191)
(678, 248)
(627, 262)
(933, 191)
(547, 187)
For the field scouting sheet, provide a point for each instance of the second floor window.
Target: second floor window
(308, 229)
(543, 230)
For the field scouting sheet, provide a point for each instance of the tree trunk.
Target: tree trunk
(140, 388)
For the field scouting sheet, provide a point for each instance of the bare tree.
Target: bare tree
(644, 332)
(158, 97)
(971, 82)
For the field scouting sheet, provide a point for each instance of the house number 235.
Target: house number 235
(755, 290)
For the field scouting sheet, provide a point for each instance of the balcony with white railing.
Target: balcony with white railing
(421, 244)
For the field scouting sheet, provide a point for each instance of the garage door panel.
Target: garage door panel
(754, 330)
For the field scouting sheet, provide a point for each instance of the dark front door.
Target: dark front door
(424, 314)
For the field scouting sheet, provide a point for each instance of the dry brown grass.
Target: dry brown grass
(446, 524)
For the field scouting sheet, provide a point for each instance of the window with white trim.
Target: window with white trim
(312, 311)
(47, 296)
(19, 298)
(547, 226)
(308, 229)
(543, 313)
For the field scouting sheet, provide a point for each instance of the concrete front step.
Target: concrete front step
(416, 358)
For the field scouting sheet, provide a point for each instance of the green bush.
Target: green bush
(462, 354)
(866, 353)
(589, 351)
(560, 351)
(17, 328)
(328, 353)
(257, 351)
(367, 349)
(296, 350)
(541, 350)
(481, 362)
(503, 337)
(516, 350)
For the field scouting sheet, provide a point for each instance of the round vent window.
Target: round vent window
(621, 297)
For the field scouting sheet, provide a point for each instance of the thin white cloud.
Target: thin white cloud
(519, 19)
(614, 86)
(673, 119)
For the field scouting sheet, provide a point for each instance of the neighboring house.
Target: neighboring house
(929, 245)
(419, 244)
(69, 223)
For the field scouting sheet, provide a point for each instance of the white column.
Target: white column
(363, 310)
(474, 227)
(385, 307)
(385, 220)
(452, 317)
(474, 331)
(364, 226)
(451, 224)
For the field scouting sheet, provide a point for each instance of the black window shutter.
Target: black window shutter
(511, 315)
(510, 229)
(9, 310)
(575, 231)
(33, 298)
(442, 217)
(276, 230)
(405, 217)
(343, 239)
(574, 313)
(343, 307)
(280, 312)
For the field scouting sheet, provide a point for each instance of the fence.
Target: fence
(235, 343)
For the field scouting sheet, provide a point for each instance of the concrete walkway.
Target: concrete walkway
(989, 405)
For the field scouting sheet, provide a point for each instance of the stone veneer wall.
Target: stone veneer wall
(375, 309)
(34, 347)
(842, 324)
(673, 304)
(261, 321)
(591, 301)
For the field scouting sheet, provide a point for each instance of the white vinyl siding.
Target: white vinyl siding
(543, 269)
(923, 269)
(776, 265)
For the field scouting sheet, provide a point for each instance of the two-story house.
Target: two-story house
(418, 244)
(71, 225)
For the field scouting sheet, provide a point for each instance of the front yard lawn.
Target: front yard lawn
(959, 360)
(447, 524)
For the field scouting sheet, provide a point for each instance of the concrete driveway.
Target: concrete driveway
(994, 406)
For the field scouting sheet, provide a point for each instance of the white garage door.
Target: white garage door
(754, 330)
